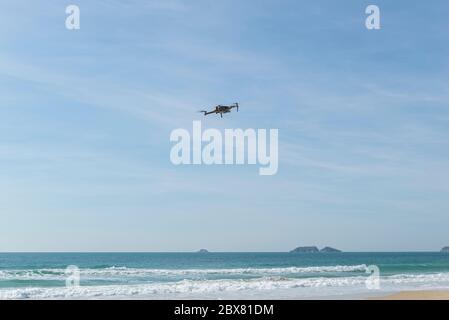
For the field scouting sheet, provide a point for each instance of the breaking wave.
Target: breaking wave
(59, 274)
(217, 288)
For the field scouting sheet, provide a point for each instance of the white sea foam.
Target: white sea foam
(58, 274)
(264, 287)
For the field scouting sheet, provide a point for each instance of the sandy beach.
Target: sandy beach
(416, 295)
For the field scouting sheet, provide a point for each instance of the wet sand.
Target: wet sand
(416, 295)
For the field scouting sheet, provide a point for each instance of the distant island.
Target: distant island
(445, 249)
(313, 249)
(203, 251)
(307, 249)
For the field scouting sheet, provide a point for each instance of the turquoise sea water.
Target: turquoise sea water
(217, 275)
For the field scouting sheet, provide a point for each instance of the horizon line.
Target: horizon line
(209, 251)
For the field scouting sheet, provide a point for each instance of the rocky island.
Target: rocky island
(203, 251)
(313, 249)
(308, 249)
(445, 249)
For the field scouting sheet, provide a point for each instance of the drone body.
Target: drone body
(220, 109)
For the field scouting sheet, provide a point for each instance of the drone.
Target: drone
(220, 109)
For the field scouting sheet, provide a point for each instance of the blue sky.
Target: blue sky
(85, 120)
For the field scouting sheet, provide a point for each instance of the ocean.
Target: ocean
(218, 275)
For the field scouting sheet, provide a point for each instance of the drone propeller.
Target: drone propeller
(237, 106)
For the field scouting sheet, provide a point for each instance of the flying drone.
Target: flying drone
(220, 109)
